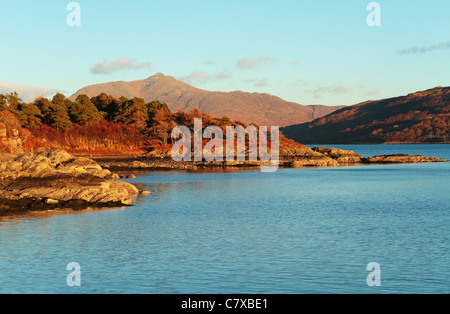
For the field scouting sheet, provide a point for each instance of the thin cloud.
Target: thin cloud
(337, 89)
(223, 76)
(424, 49)
(368, 90)
(372, 92)
(26, 92)
(247, 63)
(108, 67)
(262, 83)
(319, 90)
(199, 77)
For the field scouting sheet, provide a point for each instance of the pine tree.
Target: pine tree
(108, 106)
(45, 106)
(59, 116)
(134, 113)
(83, 111)
(13, 100)
(29, 115)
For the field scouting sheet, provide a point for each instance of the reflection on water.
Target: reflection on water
(243, 231)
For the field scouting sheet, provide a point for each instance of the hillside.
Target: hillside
(103, 125)
(421, 117)
(262, 109)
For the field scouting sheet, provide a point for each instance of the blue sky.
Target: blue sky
(310, 52)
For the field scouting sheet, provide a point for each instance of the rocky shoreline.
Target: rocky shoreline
(296, 158)
(53, 179)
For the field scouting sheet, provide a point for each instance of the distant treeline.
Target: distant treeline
(103, 123)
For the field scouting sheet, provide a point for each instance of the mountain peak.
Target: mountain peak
(156, 76)
(262, 109)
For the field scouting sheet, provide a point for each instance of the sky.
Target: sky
(309, 52)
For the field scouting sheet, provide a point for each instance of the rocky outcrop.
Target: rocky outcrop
(340, 155)
(53, 178)
(292, 157)
(48, 163)
(402, 159)
(10, 138)
(296, 156)
(345, 157)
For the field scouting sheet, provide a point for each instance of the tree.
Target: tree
(59, 116)
(55, 112)
(153, 106)
(184, 119)
(162, 124)
(13, 100)
(108, 106)
(134, 113)
(83, 111)
(225, 121)
(59, 100)
(29, 115)
(3, 102)
(45, 106)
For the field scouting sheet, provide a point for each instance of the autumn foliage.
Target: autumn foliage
(422, 117)
(103, 124)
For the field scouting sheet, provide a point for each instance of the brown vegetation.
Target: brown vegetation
(422, 117)
(102, 125)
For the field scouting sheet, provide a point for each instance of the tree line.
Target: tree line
(153, 120)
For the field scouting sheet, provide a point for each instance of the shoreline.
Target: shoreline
(324, 157)
(55, 180)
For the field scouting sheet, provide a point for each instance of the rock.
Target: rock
(131, 189)
(340, 155)
(58, 156)
(114, 192)
(10, 135)
(127, 176)
(402, 159)
(315, 162)
(144, 192)
(59, 178)
(301, 157)
(50, 201)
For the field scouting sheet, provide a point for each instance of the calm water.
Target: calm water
(293, 231)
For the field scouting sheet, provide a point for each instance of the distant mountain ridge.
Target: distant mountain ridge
(421, 117)
(262, 109)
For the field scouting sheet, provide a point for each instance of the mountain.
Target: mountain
(421, 117)
(262, 109)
